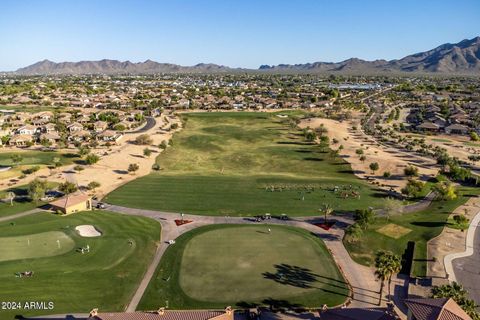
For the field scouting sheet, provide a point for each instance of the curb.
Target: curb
(447, 260)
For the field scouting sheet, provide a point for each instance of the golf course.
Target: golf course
(207, 170)
(43, 258)
(28, 159)
(215, 266)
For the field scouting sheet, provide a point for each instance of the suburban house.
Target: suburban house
(20, 140)
(457, 129)
(435, 309)
(27, 129)
(72, 203)
(429, 127)
(110, 136)
(100, 126)
(75, 126)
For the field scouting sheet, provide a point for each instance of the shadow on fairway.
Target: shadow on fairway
(292, 275)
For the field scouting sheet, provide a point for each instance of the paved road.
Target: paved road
(467, 269)
(361, 279)
(149, 125)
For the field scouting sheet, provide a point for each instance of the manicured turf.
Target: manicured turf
(229, 163)
(221, 265)
(425, 225)
(39, 245)
(30, 159)
(21, 203)
(106, 277)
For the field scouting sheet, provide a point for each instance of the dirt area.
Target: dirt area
(457, 146)
(450, 240)
(388, 159)
(88, 231)
(111, 171)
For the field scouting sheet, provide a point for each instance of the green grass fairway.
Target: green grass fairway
(30, 159)
(215, 266)
(424, 225)
(106, 277)
(38, 245)
(229, 163)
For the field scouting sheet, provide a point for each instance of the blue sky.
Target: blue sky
(242, 33)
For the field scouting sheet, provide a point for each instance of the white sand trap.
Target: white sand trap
(88, 231)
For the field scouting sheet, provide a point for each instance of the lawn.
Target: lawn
(38, 245)
(106, 277)
(30, 159)
(423, 225)
(21, 203)
(216, 266)
(245, 164)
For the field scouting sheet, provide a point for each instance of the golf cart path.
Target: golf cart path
(21, 214)
(364, 286)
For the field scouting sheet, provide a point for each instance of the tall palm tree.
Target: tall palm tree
(326, 209)
(381, 273)
(386, 265)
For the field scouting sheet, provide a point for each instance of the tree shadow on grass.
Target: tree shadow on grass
(429, 224)
(292, 275)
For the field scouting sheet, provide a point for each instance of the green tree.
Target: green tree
(364, 217)
(374, 167)
(413, 189)
(445, 190)
(67, 187)
(163, 145)
(386, 265)
(456, 291)
(133, 167)
(92, 159)
(93, 185)
(353, 233)
(143, 139)
(147, 152)
(16, 158)
(474, 136)
(37, 189)
(411, 171)
(326, 209)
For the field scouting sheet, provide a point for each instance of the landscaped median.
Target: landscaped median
(244, 265)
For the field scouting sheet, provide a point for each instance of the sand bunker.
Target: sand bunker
(88, 231)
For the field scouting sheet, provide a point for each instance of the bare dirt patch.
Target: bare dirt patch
(393, 230)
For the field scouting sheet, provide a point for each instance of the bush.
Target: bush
(143, 139)
(411, 171)
(156, 167)
(78, 168)
(387, 174)
(93, 185)
(92, 159)
(413, 189)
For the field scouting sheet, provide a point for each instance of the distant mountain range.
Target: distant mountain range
(458, 58)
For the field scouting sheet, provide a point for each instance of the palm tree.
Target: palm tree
(386, 265)
(326, 209)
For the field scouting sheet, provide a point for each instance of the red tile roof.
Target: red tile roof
(436, 309)
(167, 315)
(70, 200)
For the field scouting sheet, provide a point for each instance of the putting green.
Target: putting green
(239, 265)
(45, 244)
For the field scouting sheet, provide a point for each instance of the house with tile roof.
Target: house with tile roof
(435, 309)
